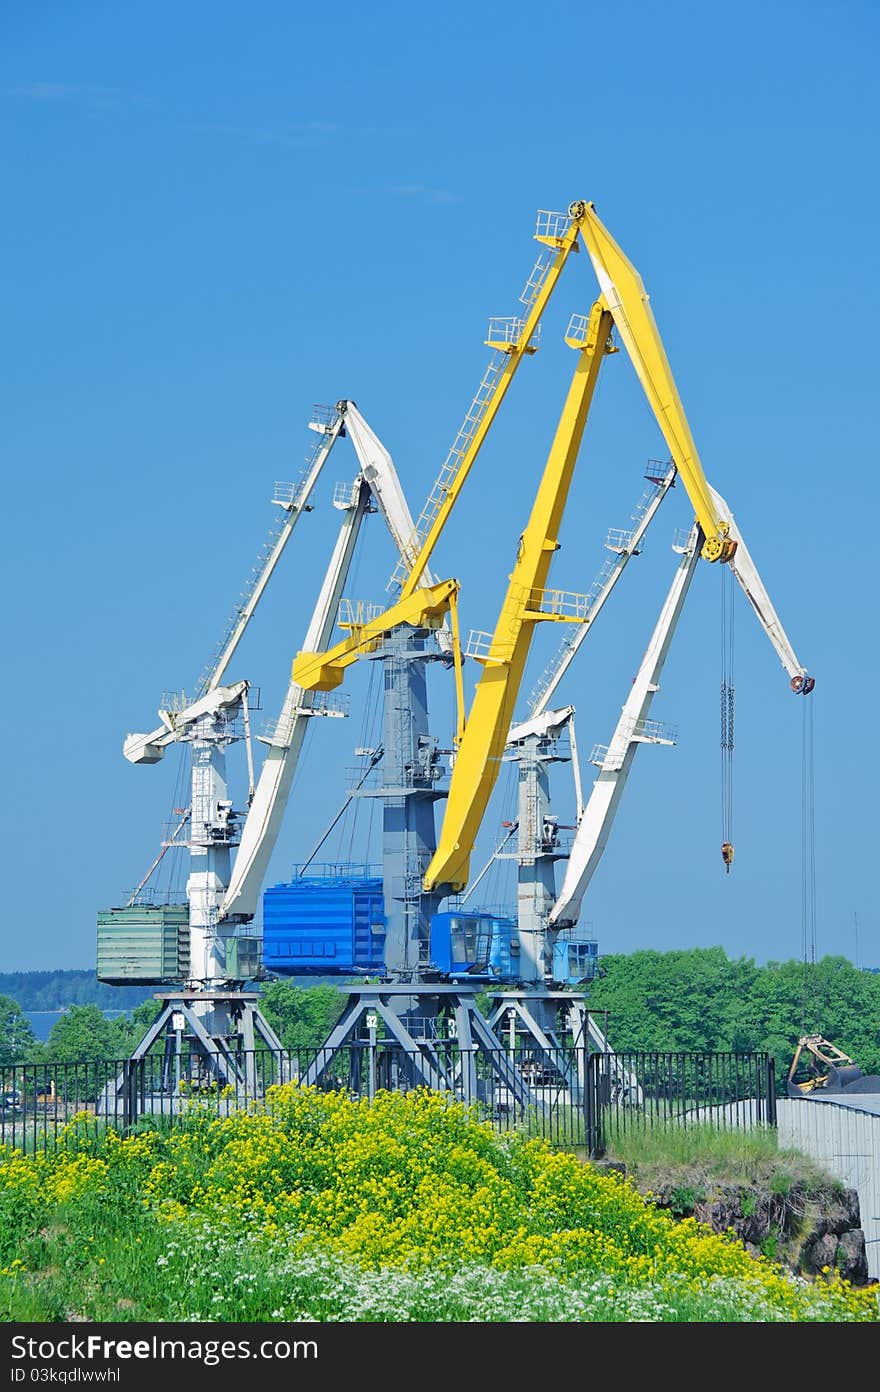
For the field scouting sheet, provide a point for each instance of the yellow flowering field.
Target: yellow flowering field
(314, 1206)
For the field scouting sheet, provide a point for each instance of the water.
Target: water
(43, 1020)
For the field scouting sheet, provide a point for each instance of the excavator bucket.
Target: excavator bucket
(819, 1064)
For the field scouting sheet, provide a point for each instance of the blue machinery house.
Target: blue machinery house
(332, 923)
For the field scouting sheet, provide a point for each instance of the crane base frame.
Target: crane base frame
(226, 1050)
(411, 1051)
(535, 1013)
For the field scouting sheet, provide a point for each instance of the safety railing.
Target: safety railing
(572, 1097)
(620, 539)
(504, 332)
(562, 604)
(354, 613)
(652, 732)
(550, 224)
(478, 645)
(346, 493)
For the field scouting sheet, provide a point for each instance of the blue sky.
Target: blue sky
(216, 215)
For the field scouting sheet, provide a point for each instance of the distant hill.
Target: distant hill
(50, 990)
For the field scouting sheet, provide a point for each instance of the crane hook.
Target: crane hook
(727, 855)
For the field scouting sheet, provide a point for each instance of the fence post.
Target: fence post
(591, 1073)
(128, 1098)
(771, 1091)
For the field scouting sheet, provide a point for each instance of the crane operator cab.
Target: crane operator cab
(461, 944)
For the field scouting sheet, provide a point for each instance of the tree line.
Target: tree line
(700, 999)
(55, 990)
(695, 1000)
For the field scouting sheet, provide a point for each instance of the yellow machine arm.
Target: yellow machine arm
(424, 609)
(418, 606)
(623, 305)
(623, 302)
(482, 746)
(627, 299)
(451, 488)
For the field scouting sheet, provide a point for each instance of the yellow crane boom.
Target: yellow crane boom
(627, 299)
(482, 744)
(563, 244)
(623, 305)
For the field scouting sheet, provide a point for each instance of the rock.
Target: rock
(816, 1253)
(852, 1259)
(840, 1213)
(610, 1166)
(719, 1214)
(804, 1232)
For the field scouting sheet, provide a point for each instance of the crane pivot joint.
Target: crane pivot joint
(718, 548)
(802, 685)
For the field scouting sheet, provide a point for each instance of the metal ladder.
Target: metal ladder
(467, 430)
(247, 591)
(448, 472)
(622, 543)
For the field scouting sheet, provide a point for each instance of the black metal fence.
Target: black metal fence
(650, 1091)
(583, 1101)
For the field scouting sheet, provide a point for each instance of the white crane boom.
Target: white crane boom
(149, 749)
(263, 821)
(378, 478)
(293, 498)
(595, 824)
(633, 729)
(743, 567)
(379, 471)
(626, 544)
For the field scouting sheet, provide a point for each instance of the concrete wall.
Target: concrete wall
(845, 1140)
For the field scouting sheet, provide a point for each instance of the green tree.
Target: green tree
(18, 1043)
(132, 1027)
(302, 1016)
(84, 1034)
(700, 1000)
(690, 1000)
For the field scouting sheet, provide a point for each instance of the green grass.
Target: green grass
(107, 1265)
(723, 1156)
(285, 1215)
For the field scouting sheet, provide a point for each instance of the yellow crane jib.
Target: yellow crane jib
(563, 241)
(324, 671)
(425, 608)
(625, 296)
(480, 752)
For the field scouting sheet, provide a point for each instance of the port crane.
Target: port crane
(551, 951)
(635, 726)
(214, 957)
(528, 600)
(425, 605)
(481, 735)
(379, 477)
(623, 306)
(205, 957)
